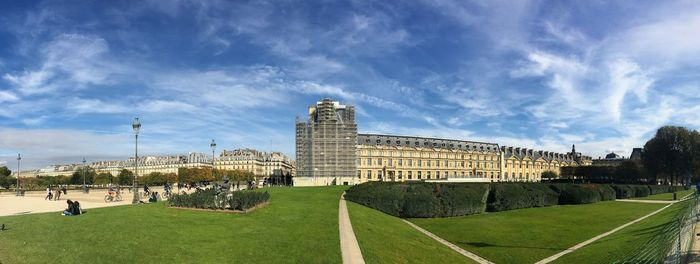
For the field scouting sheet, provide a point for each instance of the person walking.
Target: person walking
(48, 193)
(58, 194)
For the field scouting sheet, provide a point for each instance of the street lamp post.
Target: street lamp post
(136, 125)
(84, 187)
(18, 159)
(213, 148)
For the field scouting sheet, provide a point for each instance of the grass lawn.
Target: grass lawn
(300, 225)
(667, 196)
(529, 235)
(386, 239)
(628, 242)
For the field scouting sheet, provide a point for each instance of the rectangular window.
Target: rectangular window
(400, 175)
(389, 162)
(446, 173)
(428, 176)
(410, 163)
(437, 163)
(369, 175)
(410, 175)
(400, 162)
(359, 174)
(379, 175)
(419, 175)
(379, 161)
(369, 161)
(420, 163)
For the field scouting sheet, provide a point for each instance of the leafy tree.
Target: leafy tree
(104, 178)
(87, 172)
(671, 155)
(549, 175)
(4, 171)
(125, 177)
(628, 172)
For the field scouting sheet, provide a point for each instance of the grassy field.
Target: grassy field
(300, 225)
(386, 239)
(529, 235)
(628, 243)
(667, 196)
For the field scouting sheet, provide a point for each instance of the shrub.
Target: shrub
(385, 197)
(508, 196)
(421, 199)
(657, 189)
(463, 199)
(640, 190)
(206, 199)
(244, 200)
(607, 193)
(577, 193)
(623, 192)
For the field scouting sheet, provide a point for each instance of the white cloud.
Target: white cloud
(7, 96)
(70, 61)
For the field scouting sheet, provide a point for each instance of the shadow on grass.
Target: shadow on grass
(483, 245)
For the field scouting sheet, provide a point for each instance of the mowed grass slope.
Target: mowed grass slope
(300, 225)
(386, 239)
(637, 243)
(529, 235)
(667, 196)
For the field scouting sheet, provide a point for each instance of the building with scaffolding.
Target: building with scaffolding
(326, 150)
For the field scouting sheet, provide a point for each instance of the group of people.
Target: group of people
(57, 190)
(73, 208)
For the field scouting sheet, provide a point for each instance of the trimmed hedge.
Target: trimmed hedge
(207, 199)
(577, 193)
(607, 193)
(420, 200)
(508, 196)
(423, 199)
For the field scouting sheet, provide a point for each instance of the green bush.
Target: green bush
(607, 193)
(640, 190)
(421, 199)
(207, 199)
(623, 192)
(244, 200)
(577, 193)
(657, 189)
(508, 196)
(385, 197)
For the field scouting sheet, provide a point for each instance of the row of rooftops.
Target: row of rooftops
(422, 142)
(425, 142)
(521, 153)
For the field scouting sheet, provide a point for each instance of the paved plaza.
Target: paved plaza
(33, 202)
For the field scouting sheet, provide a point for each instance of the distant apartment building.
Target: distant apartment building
(326, 151)
(149, 164)
(259, 163)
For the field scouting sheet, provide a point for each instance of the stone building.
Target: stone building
(258, 162)
(407, 158)
(326, 145)
(522, 164)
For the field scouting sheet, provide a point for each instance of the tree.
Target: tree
(104, 178)
(88, 172)
(628, 172)
(5, 180)
(125, 177)
(4, 171)
(671, 155)
(549, 175)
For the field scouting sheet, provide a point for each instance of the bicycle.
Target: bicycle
(117, 197)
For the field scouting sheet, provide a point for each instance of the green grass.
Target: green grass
(300, 225)
(529, 235)
(386, 239)
(667, 196)
(628, 242)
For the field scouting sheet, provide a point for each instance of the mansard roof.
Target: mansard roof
(424, 142)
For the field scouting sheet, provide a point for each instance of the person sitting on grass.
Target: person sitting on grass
(153, 198)
(69, 210)
(77, 210)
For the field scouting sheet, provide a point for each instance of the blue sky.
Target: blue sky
(545, 75)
